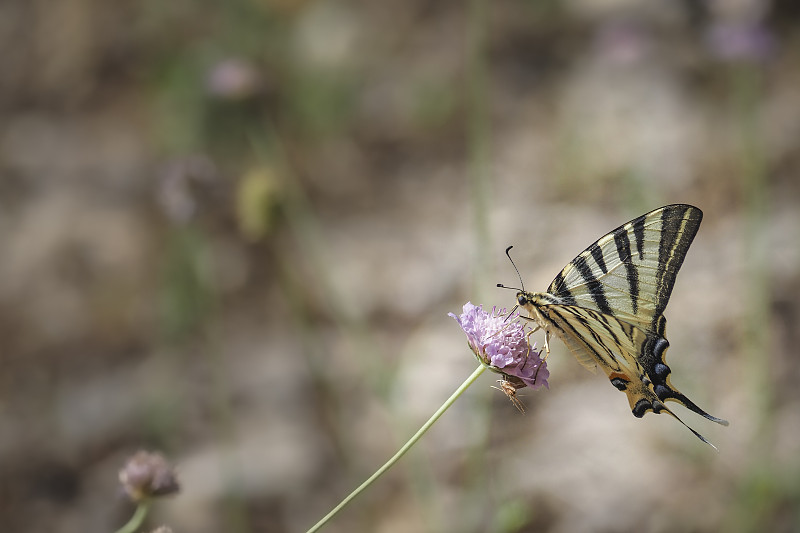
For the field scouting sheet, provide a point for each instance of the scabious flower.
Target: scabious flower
(501, 343)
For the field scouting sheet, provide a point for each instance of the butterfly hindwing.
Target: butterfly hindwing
(632, 358)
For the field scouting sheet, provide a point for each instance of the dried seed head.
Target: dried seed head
(148, 475)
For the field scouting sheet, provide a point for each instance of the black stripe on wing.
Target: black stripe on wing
(597, 255)
(559, 289)
(638, 233)
(623, 243)
(568, 317)
(593, 285)
(679, 225)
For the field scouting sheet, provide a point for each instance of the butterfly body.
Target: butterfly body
(607, 306)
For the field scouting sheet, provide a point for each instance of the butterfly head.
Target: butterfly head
(523, 299)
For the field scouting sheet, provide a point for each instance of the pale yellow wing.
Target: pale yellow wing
(629, 273)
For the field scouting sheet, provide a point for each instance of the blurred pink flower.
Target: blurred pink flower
(741, 41)
(233, 79)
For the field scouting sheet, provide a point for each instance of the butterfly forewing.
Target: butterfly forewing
(629, 273)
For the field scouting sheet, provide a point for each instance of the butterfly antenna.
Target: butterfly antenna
(518, 274)
(511, 313)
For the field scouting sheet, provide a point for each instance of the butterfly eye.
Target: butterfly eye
(522, 299)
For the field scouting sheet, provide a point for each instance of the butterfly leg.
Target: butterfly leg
(546, 344)
(528, 338)
(538, 368)
(546, 340)
(546, 348)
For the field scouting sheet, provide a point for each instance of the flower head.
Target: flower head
(501, 343)
(146, 475)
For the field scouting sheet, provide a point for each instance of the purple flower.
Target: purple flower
(501, 343)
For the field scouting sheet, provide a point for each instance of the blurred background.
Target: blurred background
(232, 232)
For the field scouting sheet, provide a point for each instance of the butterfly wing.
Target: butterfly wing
(629, 273)
(607, 306)
(631, 357)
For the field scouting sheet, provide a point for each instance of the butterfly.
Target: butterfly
(607, 305)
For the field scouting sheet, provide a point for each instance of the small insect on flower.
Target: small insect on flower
(500, 342)
(510, 390)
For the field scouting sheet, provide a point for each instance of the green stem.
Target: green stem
(137, 518)
(407, 446)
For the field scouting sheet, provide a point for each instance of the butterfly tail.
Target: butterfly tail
(659, 407)
(676, 396)
(659, 374)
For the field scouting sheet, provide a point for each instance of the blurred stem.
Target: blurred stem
(748, 84)
(190, 307)
(758, 498)
(478, 138)
(308, 231)
(402, 451)
(474, 501)
(136, 520)
(231, 469)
